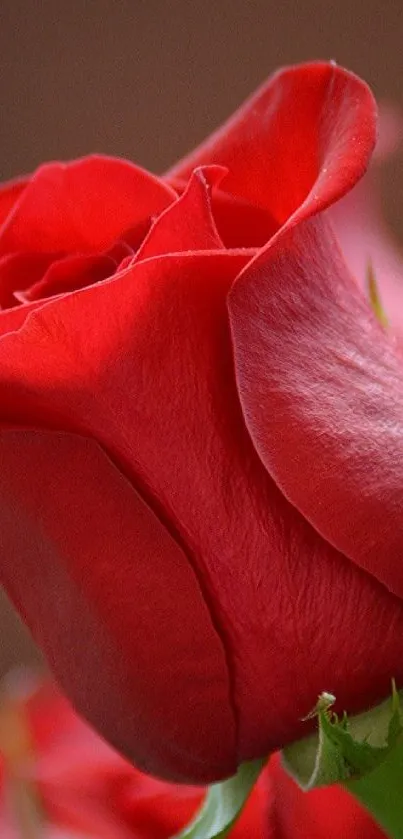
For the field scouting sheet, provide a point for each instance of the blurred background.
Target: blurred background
(147, 79)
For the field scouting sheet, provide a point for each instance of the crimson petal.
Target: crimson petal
(91, 567)
(321, 386)
(69, 274)
(19, 271)
(285, 145)
(188, 224)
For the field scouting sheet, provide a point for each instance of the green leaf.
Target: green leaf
(223, 804)
(381, 792)
(364, 753)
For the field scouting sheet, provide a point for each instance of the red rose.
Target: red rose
(201, 449)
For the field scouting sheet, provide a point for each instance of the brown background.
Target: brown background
(149, 79)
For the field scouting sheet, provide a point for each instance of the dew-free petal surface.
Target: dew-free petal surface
(187, 224)
(108, 594)
(307, 132)
(321, 386)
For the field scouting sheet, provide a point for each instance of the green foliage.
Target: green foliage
(364, 753)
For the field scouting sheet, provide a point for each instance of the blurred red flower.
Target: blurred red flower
(59, 780)
(328, 813)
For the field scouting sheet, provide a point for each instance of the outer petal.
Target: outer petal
(151, 377)
(321, 386)
(329, 813)
(108, 594)
(82, 206)
(307, 133)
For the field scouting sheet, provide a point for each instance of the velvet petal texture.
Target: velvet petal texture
(107, 592)
(321, 386)
(304, 137)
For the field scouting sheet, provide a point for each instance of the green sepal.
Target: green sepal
(364, 753)
(223, 804)
(344, 748)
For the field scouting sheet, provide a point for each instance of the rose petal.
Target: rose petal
(188, 224)
(305, 136)
(82, 206)
(20, 270)
(321, 386)
(11, 320)
(153, 681)
(238, 222)
(119, 251)
(69, 274)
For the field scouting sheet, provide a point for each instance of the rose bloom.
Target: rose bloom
(201, 451)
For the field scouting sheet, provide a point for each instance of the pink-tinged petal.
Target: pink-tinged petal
(390, 132)
(321, 386)
(82, 206)
(303, 139)
(69, 274)
(365, 242)
(363, 234)
(18, 271)
(10, 192)
(107, 593)
(328, 813)
(144, 364)
(188, 224)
